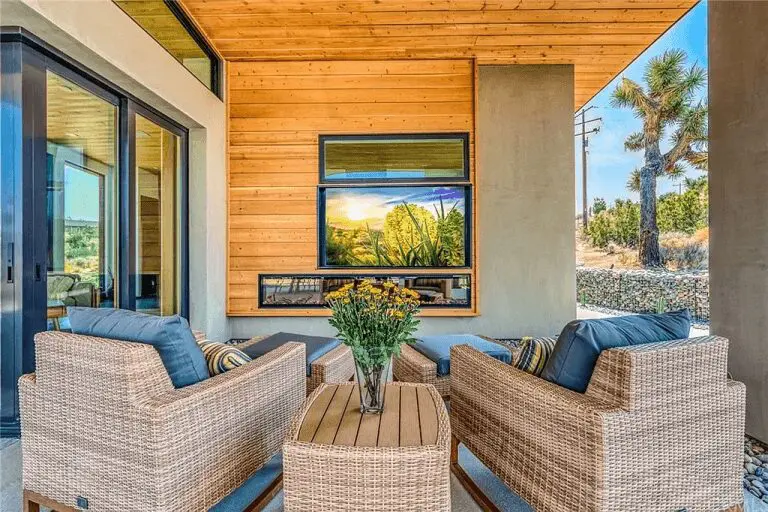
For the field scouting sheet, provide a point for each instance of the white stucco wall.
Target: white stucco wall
(102, 37)
(525, 204)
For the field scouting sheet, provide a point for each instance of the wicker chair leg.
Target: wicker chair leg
(30, 506)
(267, 495)
(33, 502)
(466, 481)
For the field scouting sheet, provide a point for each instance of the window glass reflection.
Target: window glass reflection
(81, 199)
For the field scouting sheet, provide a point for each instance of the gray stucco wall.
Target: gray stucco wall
(525, 207)
(738, 146)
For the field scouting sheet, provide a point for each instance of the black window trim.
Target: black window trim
(191, 28)
(322, 139)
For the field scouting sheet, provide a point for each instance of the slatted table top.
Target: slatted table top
(410, 417)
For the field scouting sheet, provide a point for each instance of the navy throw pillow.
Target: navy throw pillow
(170, 335)
(579, 345)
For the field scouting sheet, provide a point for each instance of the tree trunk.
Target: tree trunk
(649, 253)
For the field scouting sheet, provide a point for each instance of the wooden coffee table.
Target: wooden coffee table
(336, 458)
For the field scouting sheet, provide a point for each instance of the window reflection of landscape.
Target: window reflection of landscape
(309, 291)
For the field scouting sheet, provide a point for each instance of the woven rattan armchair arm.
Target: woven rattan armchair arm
(656, 374)
(218, 432)
(335, 366)
(413, 366)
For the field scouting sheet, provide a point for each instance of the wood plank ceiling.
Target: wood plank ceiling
(600, 37)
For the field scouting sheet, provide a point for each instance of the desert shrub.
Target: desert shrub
(599, 230)
(599, 205)
(629, 259)
(618, 224)
(686, 212)
(702, 235)
(681, 251)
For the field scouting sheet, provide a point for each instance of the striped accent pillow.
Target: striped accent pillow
(534, 353)
(221, 357)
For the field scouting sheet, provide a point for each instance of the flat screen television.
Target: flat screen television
(414, 226)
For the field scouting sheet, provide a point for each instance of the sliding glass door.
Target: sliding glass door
(81, 170)
(94, 195)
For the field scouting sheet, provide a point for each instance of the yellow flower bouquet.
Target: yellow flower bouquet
(374, 321)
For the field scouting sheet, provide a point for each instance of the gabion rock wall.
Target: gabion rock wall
(644, 291)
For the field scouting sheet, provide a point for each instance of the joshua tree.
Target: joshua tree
(664, 102)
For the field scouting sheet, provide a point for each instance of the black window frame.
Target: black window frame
(463, 136)
(360, 276)
(191, 28)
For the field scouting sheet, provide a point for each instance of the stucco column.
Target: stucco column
(738, 145)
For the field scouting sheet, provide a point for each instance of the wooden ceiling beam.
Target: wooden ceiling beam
(335, 7)
(599, 37)
(213, 23)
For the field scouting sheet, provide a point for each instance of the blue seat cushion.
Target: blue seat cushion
(438, 349)
(241, 498)
(170, 335)
(581, 341)
(316, 346)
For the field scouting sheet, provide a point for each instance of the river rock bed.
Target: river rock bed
(756, 468)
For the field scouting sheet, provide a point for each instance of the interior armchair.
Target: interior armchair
(71, 290)
(102, 422)
(659, 428)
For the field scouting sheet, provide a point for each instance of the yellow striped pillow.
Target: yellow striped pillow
(221, 357)
(534, 353)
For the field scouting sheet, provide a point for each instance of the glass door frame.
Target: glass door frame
(23, 191)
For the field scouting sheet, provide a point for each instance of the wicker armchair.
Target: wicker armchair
(101, 420)
(660, 428)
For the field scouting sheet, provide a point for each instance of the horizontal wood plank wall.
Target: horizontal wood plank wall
(277, 110)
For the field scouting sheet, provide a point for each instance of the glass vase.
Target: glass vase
(371, 381)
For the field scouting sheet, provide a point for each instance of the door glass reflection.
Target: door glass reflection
(81, 199)
(157, 165)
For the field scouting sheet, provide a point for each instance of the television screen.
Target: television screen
(394, 226)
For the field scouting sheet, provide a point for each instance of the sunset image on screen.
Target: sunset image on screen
(395, 226)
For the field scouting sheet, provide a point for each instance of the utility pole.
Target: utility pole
(584, 145)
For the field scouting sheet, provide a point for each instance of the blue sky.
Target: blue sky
(609, 165)
(81, 194)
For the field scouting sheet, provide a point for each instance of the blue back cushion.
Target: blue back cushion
(438, 349)
(579, 345)
(170, 335)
